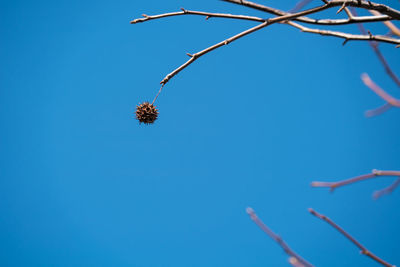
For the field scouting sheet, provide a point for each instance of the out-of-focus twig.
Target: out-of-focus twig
(363, 249)
(388, 24)
(385, 64)
(373, 174)
(379, 91)
(294, 259)
(299, 5)
(387, 190)
(378, 53)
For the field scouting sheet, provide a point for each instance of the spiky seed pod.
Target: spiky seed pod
(146, 113)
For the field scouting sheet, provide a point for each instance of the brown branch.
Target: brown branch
(373, 174)
(363, 249)
(378, 111)
(387, 190)
(240, 35)
(382, 59)
(294, 259)
(389, 12)
(199, 13)
(346, 36)
(379, 91)
(299, 5)
(378, 53)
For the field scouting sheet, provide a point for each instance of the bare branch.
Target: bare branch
(346, 36)
(378, 111)
(363, 249)
(199, 13)
(294, 259)
(387, 190)
(373, 174)
(393, 14)
(379, 91)
(240, 35)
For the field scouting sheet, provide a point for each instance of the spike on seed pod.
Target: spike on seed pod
(146, 113)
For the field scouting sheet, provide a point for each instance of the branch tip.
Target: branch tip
(341, 8)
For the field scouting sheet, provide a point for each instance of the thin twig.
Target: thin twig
(378, 53)
(199, 13)
(387, 190)
(373, 174)
(390, 13)
(240, 35)
(346, 36)
(294, 259)
(363, 249)
(379, 91)
(378, 111)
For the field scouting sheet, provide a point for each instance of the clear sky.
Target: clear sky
(250, 124)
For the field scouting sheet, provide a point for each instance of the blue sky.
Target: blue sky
(250, 124)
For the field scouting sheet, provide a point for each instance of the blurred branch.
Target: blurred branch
(199, 13)
(299, 5)
(363, 249)
(388, 24)
(373, 174)
(389, 12)
(294, 258)
(379, 91)
(387, 190)
(264, 24)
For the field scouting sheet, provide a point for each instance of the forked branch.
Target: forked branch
(363, 249)
(282, 18)
(373, 174)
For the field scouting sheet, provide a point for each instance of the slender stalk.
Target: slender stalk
(363, 249)
(294, 259)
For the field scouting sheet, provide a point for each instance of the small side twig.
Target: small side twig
(390, 25)
(373, 174)
(387, 190)
(379, 91)
(363, 249)
(294, 259)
